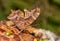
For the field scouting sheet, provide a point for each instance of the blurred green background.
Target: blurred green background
(50, 12)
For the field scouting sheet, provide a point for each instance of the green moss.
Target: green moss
(53, 21)
(57, 1)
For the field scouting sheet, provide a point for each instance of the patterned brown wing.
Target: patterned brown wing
(12, 15)
(30, 17)
(15, 14)
(27, 13)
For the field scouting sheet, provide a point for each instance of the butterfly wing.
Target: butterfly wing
(30, 17)
(27, 13)
(15, 14)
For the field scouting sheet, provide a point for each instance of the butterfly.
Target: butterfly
(24, 19)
